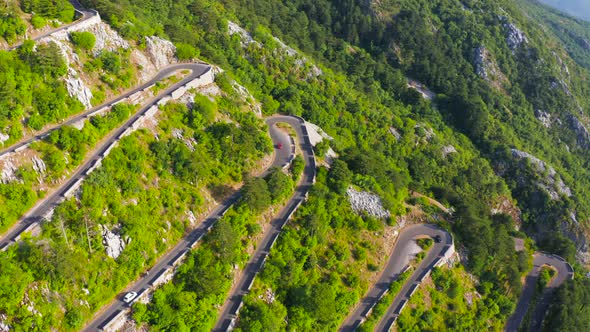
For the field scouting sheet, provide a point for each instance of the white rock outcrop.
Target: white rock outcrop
(245, 37)
(247, 97)
(160, 51)
(484, 65)
(421, 88)
(447, 150)
(77, 88)
(74, 84)
(8, 171)
(582, 134)
(4, 327)
(189, 142)
(39, 165)
(544, 118)
(106, 38)
(393, 131)
(362, 201)
(113, 242)
(551, 182)
(316, 134)
(515, 38)
(3, 138)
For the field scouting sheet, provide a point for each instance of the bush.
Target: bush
(38, 22)
(297, 167)
(186, 52)
(84, 40)
(425, 244)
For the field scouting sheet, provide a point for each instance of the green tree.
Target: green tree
(255, 194)
(339, 177)
(280, 184)
(186, 51)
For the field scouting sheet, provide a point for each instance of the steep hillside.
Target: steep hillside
(504, 82)
(502, 143)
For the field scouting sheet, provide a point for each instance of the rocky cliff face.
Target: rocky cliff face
(550, 181)
(582, 134)
(515, 38)
(113, 242)
(160, 51)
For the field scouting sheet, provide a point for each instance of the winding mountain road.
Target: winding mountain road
(231, 307)
(403, 252)
(281, 157)
(564, 272)
(85, 14)
(44, 206)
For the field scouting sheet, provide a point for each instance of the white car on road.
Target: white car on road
(129, 297)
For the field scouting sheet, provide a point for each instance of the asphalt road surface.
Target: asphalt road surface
(197, 69)
(186, 243)
(401, 255)
(85, 15)
(234, 301)
(564, 272)
(37, 213)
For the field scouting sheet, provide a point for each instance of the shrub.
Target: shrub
(186, 52)
(84, 40)
(38, 22)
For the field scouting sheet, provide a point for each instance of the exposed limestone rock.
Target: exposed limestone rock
(268, 296)
(147, 68)
(302, 61)
(114, 244)
(74, 84)
(106, 38)
(316, 134)
(551, 182)
(189, 142)
(447, 150)
(191, 217)
(247, 96)
(395, 133)
(574, 232)
(39, 165)
(362, 201)
(582, 134)
(4, 327)
(160, 51)
(544, 117)
(8, 173)
(330, 156)
(3, 138)
(77, 88)
(289, 50)
(424, 132)
(515, 38)
(245, 36)
(482, 62)
(424, 91)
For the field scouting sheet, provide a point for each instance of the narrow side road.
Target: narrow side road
(398, 261)
(39, 211)
(85, 14)
(564, 273)
(197, 69)
(231, 307)
(191, 240)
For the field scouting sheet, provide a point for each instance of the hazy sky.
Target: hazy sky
(579, 8)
